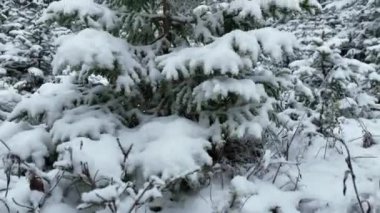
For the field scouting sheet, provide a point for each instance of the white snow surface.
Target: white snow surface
(101, 157)
(320, 189)
(3, 71)
(168, 147)
(58, 208)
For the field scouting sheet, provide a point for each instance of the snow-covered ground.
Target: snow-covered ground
(320, 174)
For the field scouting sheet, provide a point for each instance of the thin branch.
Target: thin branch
(288, 145)
(21, 205)
(140, 196)
(6, 146)
(8, 175)
(125, 152)
(172, 181)
(351, 169)
(277, 172)
(158, 38)
(298, 177)
(245, 201)
(210, 193)
(6, 205)
(43, 199)
(109, 203)
(360, 157)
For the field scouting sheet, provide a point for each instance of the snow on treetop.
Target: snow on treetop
(93, 14)
(289, 4)
(35, 71)
(275, 43)
(246, 8)
(92, 50)
(240, 48)
(201, 9)
(324, 49)
(256, 8)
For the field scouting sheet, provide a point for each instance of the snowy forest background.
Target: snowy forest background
(190, 106)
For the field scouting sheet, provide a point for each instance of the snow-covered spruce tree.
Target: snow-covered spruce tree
(364, 40)
(353, 95)
(370, 24)
(191, 74)
(339, 85)
(25, 45)
(360, 22)
(187, 80)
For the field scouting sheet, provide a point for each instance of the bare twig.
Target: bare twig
(8, 175)
(253, 170)
(6, 146)
(6, 205)
(48, 193)
(109, 203)
(299, 176)
(359, 157)
(203, 198)
(210, 193)
(245, 201)
(158, 38)
(276, 174)
(174, 180)
(351, 172)
(125, 152)
(87, 175)
(23, 206)
(140, 196)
